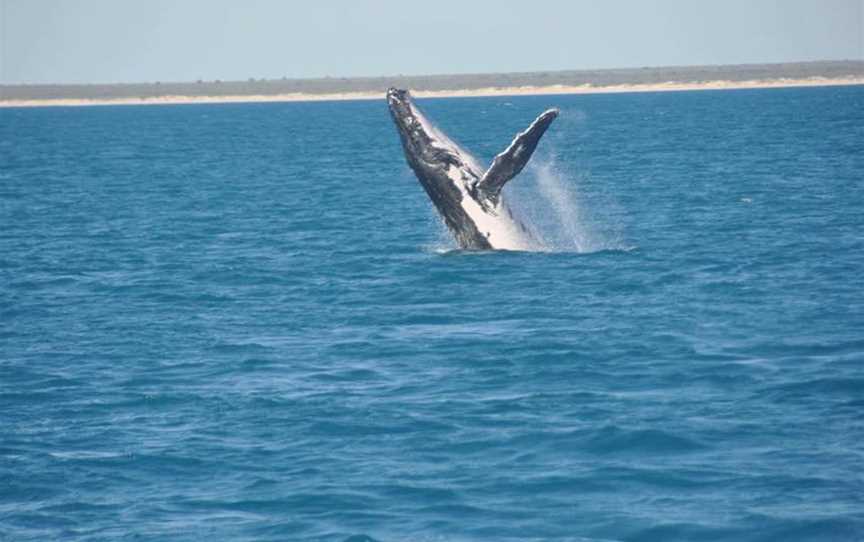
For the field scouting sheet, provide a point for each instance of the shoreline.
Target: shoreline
(551, 90)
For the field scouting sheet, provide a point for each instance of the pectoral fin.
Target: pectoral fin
(509, 163)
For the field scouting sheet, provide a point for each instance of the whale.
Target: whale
(467, 196)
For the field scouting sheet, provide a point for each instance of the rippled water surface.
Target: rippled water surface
(244, 322)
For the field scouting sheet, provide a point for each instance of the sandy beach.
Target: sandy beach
(479, 92)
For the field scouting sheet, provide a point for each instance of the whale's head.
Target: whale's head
(422, 141)
(398, 99)
(438, 161)
(405, 117)
(426, 147)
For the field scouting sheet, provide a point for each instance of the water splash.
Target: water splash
(443, 243)
(563, 219)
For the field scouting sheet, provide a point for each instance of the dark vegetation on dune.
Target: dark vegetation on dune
(334, 85)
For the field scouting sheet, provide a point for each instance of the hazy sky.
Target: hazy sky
(78, 41)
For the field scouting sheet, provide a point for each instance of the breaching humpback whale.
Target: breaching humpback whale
(467, 196)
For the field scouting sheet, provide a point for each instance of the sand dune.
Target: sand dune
(490, 91)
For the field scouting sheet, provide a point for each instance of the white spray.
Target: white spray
(547, 198)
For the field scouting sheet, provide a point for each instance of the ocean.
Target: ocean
(245, 322)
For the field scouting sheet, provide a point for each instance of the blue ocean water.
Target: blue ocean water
(244, 322)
